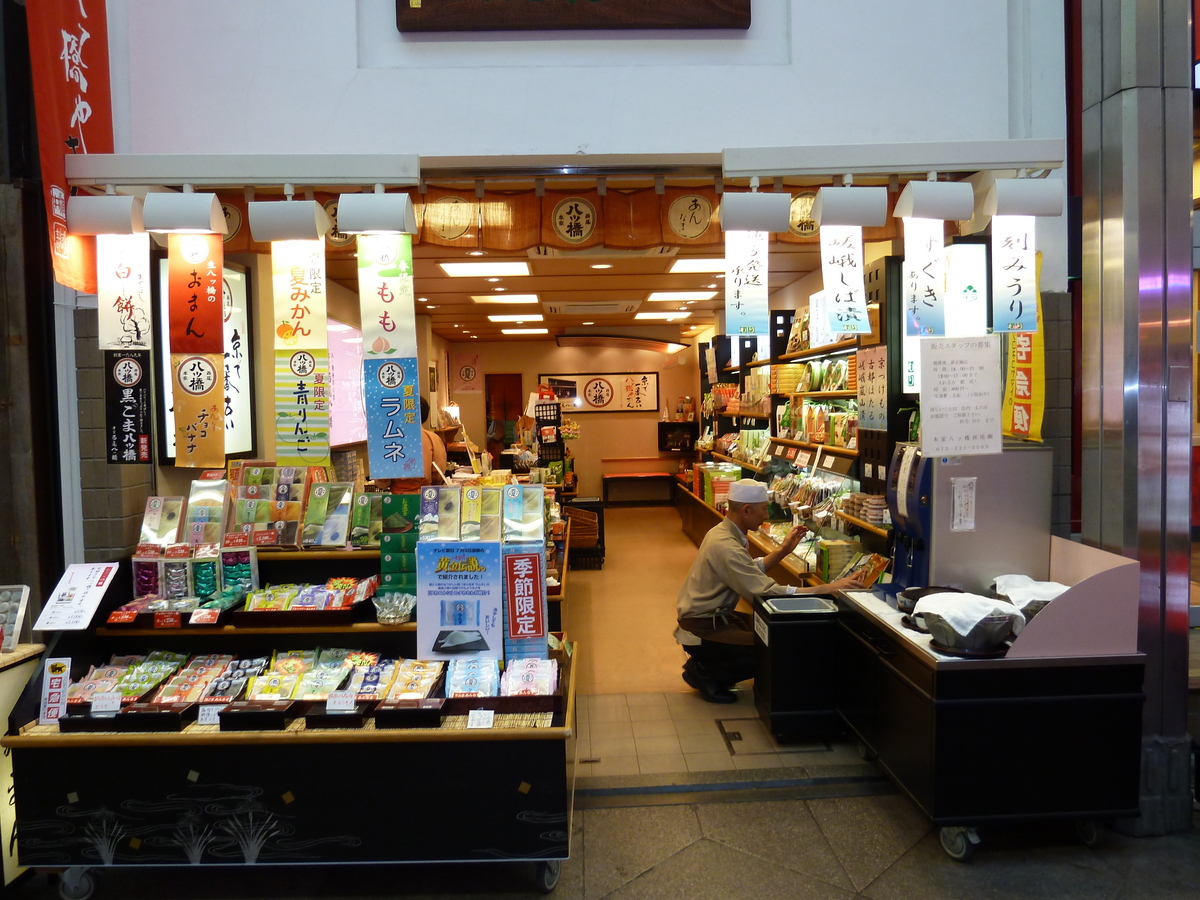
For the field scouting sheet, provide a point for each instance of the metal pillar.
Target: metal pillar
(1136, 353)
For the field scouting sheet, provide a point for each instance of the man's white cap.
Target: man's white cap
(747, 490)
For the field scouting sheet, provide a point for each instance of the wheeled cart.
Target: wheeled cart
(202, 796)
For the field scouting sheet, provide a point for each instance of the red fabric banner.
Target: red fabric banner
(68, 49)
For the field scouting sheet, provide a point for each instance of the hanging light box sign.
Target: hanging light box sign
(842, 275)
(127, 406)
(924, 277)
(123, 291)
(966, 290)
(746, 305)
(1014, 274)
(194, 264)
(390, 387)
(385, 291)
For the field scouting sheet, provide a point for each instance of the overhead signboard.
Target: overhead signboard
(549, 15)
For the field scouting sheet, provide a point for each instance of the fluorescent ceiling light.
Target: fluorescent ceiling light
(524, 331)
(680, 296)
(511, 298)
(686, 265)
(601, 265)
(517, 317)
(484, 269)
(663, 315)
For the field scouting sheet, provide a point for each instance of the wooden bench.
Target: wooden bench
(639, 478)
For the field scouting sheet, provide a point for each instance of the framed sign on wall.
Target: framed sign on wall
(607, 391)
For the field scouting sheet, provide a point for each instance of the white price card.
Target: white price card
(210, 714)
(106, 704)
(76, 597)
(341, 701)
(481, 718)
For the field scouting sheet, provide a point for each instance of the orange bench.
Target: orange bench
(639, 478)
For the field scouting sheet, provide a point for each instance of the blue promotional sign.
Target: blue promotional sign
(393, 407)
(459, 599)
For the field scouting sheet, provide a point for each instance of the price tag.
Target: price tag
(341, 701)
(481, 718)
(106, 704)
(210, 714)
(122, 616)
(265, 538)
(167, 620)
(204, 617)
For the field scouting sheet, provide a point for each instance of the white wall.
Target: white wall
(306, 76)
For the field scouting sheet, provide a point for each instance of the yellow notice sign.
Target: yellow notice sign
(1025, 377)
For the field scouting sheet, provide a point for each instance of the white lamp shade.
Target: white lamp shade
(1025, 197)
(288, 220)
(183, 213)
(110, 214)
(950, 200)
(866, 206)
(756, 212)
(376, 214)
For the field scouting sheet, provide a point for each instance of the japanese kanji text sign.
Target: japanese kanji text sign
(924, 277)
(385, 296)
(123, 291)
(302, 383)
(127, 406)
(1025, 381)
(872, 387)
(1014, 275)
(746, 313)
(392, 398)
(844, 284)
(960, 396)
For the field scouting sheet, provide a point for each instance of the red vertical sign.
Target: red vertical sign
(68, 48)
(525, 585)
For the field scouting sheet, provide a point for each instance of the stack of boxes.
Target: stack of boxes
(398, 543)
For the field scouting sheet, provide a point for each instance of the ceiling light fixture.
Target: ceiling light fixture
(601, 265)
(511, 298)
(376, 213)
(187, 213)
(589, 323)
(680, 296)
(485, 269)
(422, 299)
(288, 220)
(476, 253)
(524, 331)
(669, 316)
(493, 279)
(531, 317)
(690, 265)
(499, 289)
(619, 342)
(108, 214)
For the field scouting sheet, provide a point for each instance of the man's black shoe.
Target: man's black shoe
(694, 678)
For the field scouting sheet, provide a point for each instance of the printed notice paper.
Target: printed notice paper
(75, 597)
(960, 396)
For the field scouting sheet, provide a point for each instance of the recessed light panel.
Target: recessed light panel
(686, 265)
(508, 298)
(524, 331)
(532, 317)
(484, 269)
(663, 315)
(680, 296)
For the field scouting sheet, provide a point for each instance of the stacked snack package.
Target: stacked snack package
(231, 683)
(191, 683)
(473, 678)
(415, 679)
(529, 677)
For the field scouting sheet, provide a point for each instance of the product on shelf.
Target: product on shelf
(327, 517)
(473, 678)
(366, 520)
(415, 679)
(529, 677)
(204, 521)
(162, 521)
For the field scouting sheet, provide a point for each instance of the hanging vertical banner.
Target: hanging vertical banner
(966, 290)
(393, 418)
(123, 291)
(301, 353)
(465, 376)
(197, 344)
(385, 296)
(127, 406)
(1025, 379)
(1014, 304)
(68, 51)
(872, 387)
(746, 312)
(924, 277)
(302, 407)
(842, 274)
(819, 334)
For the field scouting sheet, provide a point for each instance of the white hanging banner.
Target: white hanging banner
(1014, 274)
(844, 284)
(385, 296)
(966, 290)
(746, 312)
(818, 322)
(924, 277)
(123, 291)
(298, 279)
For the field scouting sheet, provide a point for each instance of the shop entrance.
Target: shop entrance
(505, 402)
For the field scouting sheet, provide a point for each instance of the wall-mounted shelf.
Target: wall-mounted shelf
(828, 394)
(725, 415)
(864, 525)
(838, 346)
(841, 451)
(738, 462)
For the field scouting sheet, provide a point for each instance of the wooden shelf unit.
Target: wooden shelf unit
(739, 462)
(861, 523)
(827, 350)
(805, 445)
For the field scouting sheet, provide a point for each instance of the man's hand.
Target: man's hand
(792, 539)
(853, 582)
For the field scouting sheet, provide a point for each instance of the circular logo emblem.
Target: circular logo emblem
(801, 221)
(333, 237)
(196, 376)
(598, 392)
(467, 373)
(574, 219)
(690, 215)
(391, 374)
(319, 491)
(127, 372)
(233, 222)
(450, 217)
(194, 248)
(226, 300)
(381, 249)
(363, 500)
(302, 363)
(155, 503)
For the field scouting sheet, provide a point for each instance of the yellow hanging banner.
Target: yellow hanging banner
(1025, 377)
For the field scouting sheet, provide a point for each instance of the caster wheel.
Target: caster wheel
(1088, 832)
(547, 874)
(77, 885)
(866, 753)
(959, 843)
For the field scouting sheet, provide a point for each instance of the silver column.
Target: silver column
(1137, 317)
